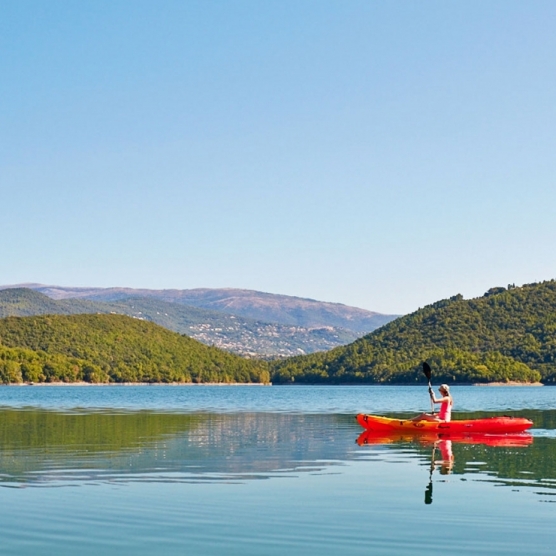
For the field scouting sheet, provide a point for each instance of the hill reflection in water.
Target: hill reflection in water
(46, 448)
(40, 447)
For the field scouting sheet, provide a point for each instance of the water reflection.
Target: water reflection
(442, 457)
(519, 460)
(45, 448)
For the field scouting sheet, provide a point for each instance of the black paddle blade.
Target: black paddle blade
(428, 494)
(427, 370)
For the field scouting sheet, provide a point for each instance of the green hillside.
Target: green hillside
(232, 333)
(24, 302)
(112, 348)
(506, 335)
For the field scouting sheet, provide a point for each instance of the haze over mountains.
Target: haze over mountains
(241, 321)
(266, 307)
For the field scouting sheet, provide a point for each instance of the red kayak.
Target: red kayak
(489, 425)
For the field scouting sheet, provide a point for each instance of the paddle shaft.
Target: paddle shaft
(428, 490)
(428, 373)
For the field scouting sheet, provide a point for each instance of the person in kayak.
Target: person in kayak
(446, 402)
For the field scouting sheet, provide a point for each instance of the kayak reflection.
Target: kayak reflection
(446, 464)
(502, 440)
(442, 456)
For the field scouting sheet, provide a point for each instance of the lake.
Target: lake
(247, 470)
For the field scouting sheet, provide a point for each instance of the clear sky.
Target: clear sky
(381, 154)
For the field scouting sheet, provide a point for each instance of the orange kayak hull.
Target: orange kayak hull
(489, 425)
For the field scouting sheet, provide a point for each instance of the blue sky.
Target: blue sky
(379, 154)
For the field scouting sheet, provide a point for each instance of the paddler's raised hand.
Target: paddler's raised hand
(431, 393)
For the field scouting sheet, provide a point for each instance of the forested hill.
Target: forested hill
(112, 348)
(24, 302)
(506, 335)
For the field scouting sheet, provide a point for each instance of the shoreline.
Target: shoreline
(82, 383)
(136, 384)
(511, 383)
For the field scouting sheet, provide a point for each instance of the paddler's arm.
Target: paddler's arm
(435, 399)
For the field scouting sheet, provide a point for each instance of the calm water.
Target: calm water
(268, 471)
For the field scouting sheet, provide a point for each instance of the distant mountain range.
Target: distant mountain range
(245, 322)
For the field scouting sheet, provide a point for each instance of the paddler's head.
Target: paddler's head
(444, 389)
